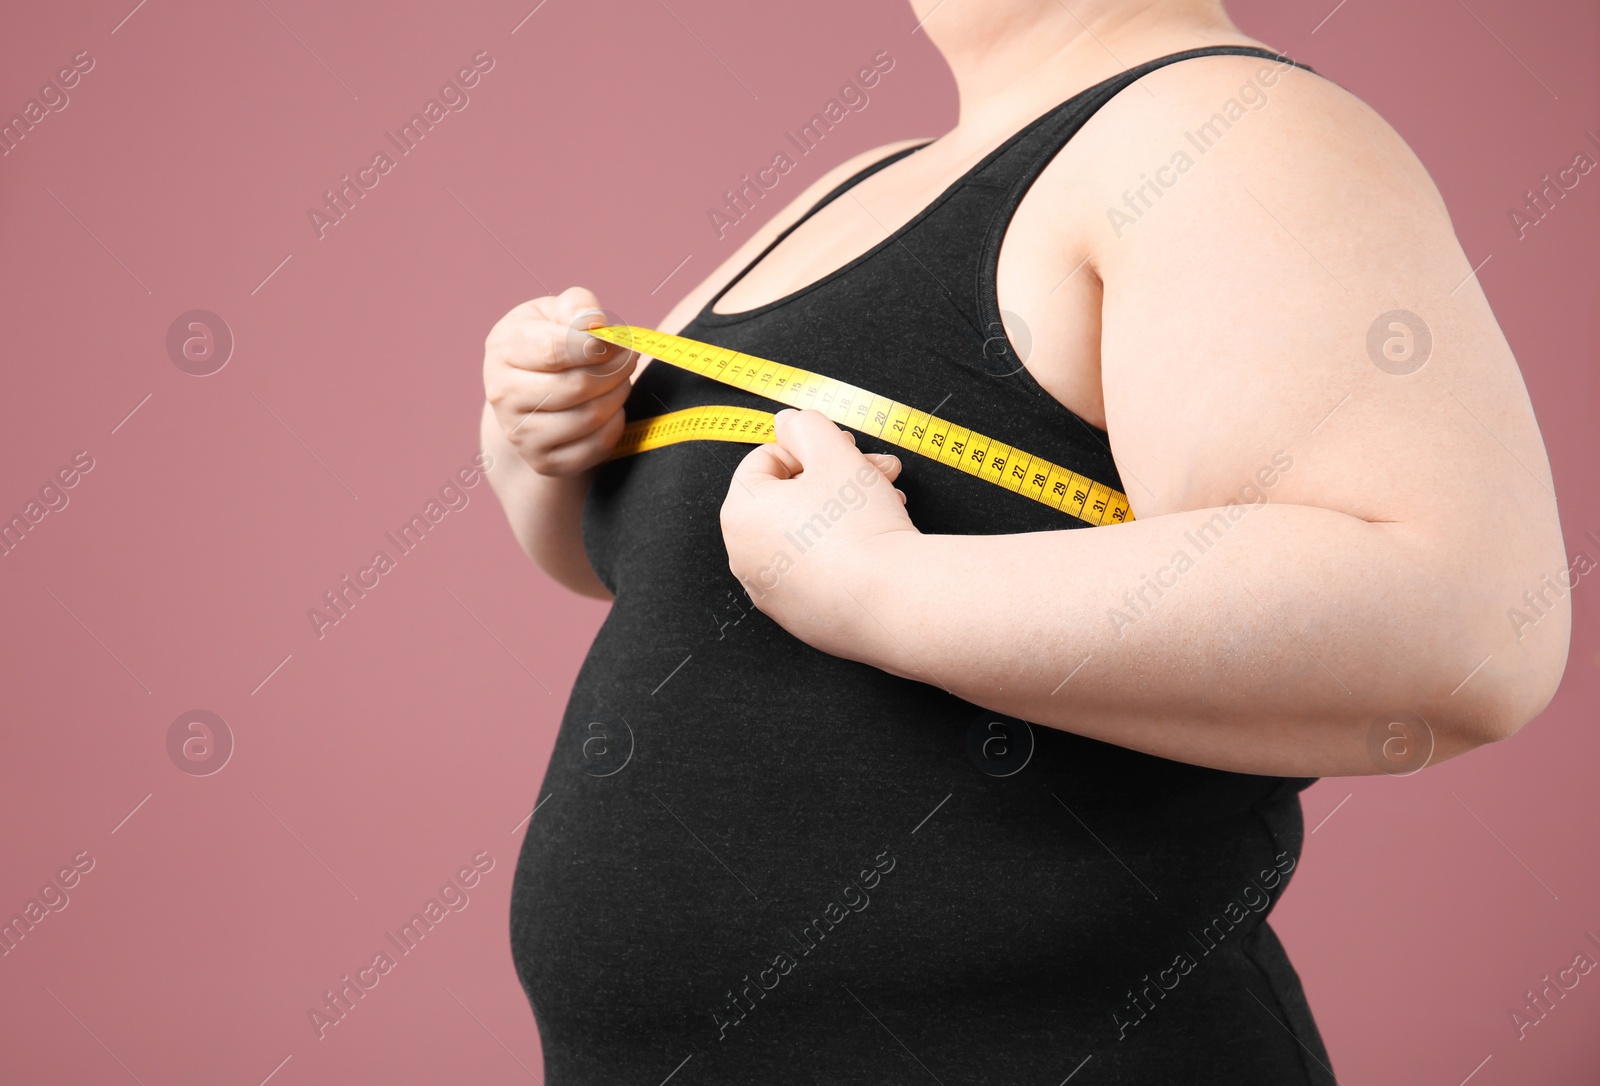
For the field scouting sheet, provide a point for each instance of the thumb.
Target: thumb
(579, 301)
(765, 463)
(580, 310)
(813, 439)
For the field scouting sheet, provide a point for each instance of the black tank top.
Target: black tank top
(754, 862)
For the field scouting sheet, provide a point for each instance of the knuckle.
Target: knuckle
(577, 297)
(548, 351)
(599, 411)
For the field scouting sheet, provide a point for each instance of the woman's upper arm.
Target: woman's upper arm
(1298, 286)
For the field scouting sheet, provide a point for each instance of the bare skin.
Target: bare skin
(1217, 334)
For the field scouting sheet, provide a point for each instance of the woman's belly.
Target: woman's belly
(740, 839)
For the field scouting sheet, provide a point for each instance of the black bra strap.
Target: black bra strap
(838, 191)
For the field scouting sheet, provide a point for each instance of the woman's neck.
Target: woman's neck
(1014, 58)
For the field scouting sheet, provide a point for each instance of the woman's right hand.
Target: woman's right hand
(557, 393)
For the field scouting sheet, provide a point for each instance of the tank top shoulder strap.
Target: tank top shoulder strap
(1012, 169)
(1028, 152)
(1016, 162)
(836, 192)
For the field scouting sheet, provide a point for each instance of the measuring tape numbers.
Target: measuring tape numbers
(878, 416)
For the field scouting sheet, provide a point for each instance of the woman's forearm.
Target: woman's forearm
(1286, 641)
(545, 512)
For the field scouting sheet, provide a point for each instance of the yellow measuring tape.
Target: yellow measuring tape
(896, 423)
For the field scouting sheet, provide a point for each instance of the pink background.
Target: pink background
(377, 760)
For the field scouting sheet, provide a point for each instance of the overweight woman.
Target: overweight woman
(879, 772)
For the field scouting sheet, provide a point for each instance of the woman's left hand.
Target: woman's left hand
(800, 522)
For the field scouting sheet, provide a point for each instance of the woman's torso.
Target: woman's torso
(782, 866)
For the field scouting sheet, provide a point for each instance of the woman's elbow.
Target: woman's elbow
(1521, 675)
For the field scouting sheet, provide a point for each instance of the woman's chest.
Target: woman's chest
(1041, 278)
